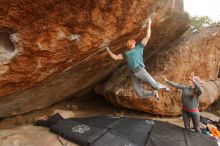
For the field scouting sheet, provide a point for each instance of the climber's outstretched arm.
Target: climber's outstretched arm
(147, 37)
(114, 56)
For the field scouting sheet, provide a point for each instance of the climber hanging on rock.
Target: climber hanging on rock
(134, 57)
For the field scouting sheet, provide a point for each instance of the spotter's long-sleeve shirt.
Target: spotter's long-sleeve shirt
(190, 96)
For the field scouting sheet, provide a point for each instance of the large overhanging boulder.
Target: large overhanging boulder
(56, 45)
(198, 53)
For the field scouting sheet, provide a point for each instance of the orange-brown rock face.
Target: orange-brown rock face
(57, 45)
(197, 53)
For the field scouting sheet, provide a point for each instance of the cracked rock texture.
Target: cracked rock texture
(57, 43)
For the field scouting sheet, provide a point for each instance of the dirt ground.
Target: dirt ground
(93, 105)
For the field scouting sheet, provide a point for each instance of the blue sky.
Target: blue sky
(209, 8)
